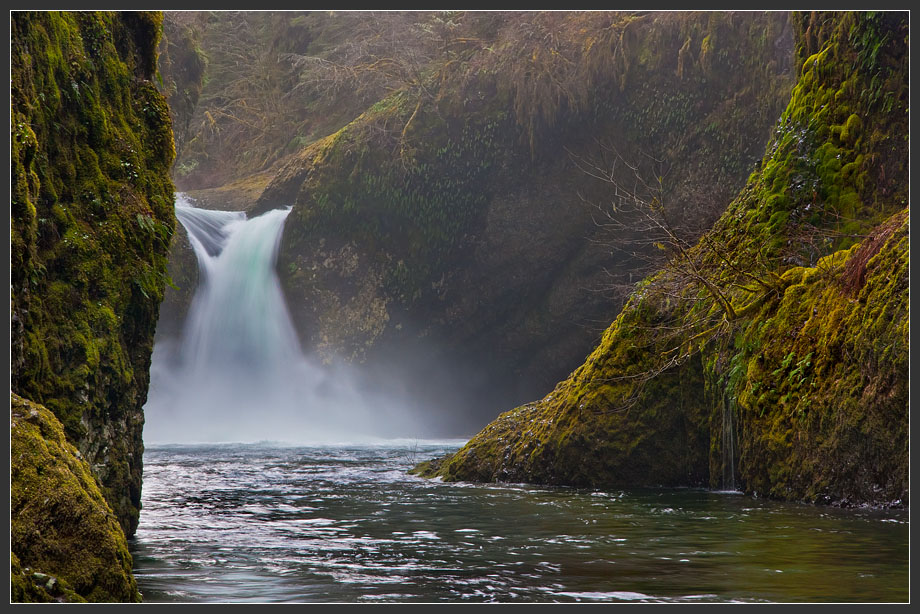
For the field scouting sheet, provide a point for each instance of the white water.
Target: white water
(238, 372)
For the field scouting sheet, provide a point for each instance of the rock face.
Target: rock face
(248, 88)
(66, 543)
(181, 65)
(789, 378)
(452, 225)
(91, 222)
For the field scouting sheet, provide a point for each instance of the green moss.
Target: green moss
(418, 209)
(66, 543)
(28, 586)
(590, 431)
(851, 130)
(810, 380)
(834, 424)
(92, 146)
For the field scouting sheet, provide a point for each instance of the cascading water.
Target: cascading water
(238, 373)
(238, 320)
(728, 444)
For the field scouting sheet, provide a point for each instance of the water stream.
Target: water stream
(238, 320)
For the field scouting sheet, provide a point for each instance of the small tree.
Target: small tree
(642, 214)
(701, 276)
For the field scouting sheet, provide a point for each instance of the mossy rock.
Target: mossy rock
(66, 543)
(811, 371)
(597, 429)
(824, 401)
(91, 222)
(456, 221)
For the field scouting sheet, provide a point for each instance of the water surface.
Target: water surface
(345, 523)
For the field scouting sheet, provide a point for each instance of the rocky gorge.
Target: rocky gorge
(685, 233)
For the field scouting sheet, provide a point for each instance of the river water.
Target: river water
(345, 523)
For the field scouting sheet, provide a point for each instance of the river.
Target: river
(267, 523)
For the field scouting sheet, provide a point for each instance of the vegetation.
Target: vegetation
(182, 66)
(252, 88)
(91, 221)
(399, 216)
(66, 543)
(810, 376)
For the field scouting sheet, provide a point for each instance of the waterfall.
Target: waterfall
(238, 372)
(728, 443)
(238, 319)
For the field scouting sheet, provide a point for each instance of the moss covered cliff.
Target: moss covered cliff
(66, 543)
(796, 386)
(90, 226)
(450, 214)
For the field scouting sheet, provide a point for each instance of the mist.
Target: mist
(237, 372)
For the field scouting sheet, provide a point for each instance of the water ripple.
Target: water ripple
(264, 523)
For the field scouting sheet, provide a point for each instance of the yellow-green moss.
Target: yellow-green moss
(65, 541)
(91, 222)
(28, 586)
(812, 374)
(598, 428)
(824, 404)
